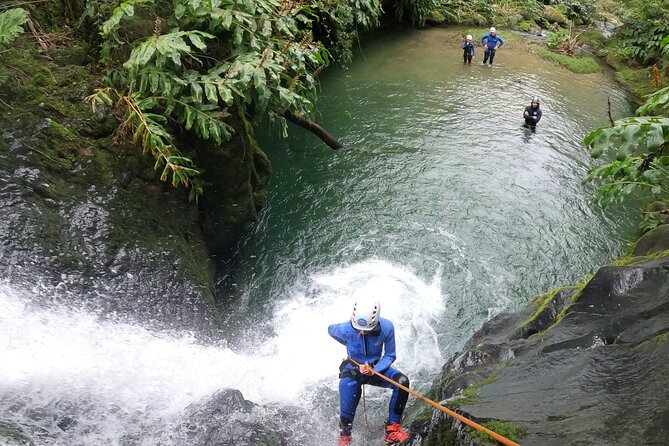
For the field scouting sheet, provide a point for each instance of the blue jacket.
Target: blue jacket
(471, 45)
(492, 41)
(377, 347)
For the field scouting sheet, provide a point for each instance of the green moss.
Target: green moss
(436, 16)
(503, 428)
(441, 435)
(576, 64)
(554, 15)
(630, 260)
(470, 394)
(653, 342)
(592, 38)
(637, 79)
(542, 301)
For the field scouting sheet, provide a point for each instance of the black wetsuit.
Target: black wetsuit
(468, 53)
(529, 120)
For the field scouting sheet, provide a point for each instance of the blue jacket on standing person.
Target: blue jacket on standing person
(492, 40)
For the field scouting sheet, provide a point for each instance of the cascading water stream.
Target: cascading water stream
(74, 377)
(446, 209)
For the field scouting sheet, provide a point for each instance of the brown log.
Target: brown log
(314, 128)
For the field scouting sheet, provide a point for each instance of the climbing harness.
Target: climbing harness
(505, 441)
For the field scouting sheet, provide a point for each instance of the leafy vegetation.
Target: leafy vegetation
(416, 10)
(11, 25)
(577, 64)
(256, 55)
(188, 66)
(638, 146)
(644, 36)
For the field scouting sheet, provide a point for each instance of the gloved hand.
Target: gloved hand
(365, 369)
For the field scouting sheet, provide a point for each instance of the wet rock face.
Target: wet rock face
(227, 419)
(84, 228)
(87, 223)
(574, 368)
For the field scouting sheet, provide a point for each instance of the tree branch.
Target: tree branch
(314, 128)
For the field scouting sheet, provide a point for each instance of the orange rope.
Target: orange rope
(505, 441)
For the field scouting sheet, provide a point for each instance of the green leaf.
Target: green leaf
(654, 137)
(197, 41)
(259, 79)
(210, 92)
(11, 24)
(225, 94)
(597, 152)
(196, 91)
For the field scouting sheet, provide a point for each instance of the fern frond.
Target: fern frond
(11, 24)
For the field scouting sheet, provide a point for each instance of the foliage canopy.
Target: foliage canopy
(638, 146)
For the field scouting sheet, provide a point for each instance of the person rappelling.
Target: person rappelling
(370, 349)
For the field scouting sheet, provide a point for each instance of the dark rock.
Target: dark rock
(90, 222)
(71, 55)
(656, 240)
(227, 419)
(236, 175)
(12, 435)
(607, 28)
(597, 376)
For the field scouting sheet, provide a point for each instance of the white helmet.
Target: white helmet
(492, 29)
(469, 37)
(366, 314)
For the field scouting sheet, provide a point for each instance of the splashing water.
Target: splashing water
(74, 377)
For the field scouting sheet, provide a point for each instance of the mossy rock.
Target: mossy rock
(554, 15)
(654, 241)
(75, 55)
(593, 38)
(435, 17)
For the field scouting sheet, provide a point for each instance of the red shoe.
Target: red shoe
(344, 440)
(395, 434)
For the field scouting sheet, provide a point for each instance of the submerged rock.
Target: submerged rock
(227, 419)
(580, 365)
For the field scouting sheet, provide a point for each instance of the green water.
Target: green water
(443, 183)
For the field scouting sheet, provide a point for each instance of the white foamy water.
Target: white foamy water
(116, 378)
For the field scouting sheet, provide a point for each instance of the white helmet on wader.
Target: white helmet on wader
(492, 29)
(366, 314)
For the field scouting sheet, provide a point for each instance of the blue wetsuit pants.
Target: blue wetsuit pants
(489, 52)
(350, 390)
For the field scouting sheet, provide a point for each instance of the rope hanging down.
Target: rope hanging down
(505, 441)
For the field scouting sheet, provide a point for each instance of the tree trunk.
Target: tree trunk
(315, 129)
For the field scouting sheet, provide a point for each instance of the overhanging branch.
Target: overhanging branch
(314, 128)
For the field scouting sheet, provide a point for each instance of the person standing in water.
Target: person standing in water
(370, 341)
(468, 47)
(491, 42)
(532, 113)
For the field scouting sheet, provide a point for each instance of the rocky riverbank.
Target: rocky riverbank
(583, 364)
(87, 217)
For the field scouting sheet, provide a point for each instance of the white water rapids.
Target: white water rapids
(73, 377)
